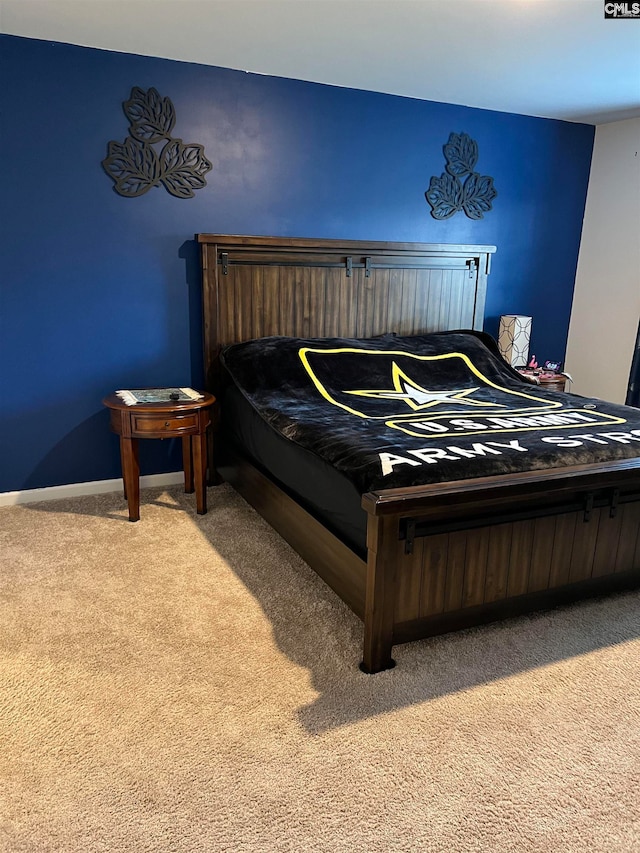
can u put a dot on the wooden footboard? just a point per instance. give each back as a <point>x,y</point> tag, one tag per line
<point>450,556</point>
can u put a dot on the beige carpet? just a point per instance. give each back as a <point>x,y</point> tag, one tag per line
<point>186,683</point>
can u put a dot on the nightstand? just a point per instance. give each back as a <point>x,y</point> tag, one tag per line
<point>187,419</point>
<point>545,378</point>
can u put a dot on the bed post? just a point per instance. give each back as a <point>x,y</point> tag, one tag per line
<point>380,596</point>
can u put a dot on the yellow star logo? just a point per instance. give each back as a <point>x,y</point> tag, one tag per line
<point>417,397</point>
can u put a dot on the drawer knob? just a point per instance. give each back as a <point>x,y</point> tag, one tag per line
<point>167,424</point>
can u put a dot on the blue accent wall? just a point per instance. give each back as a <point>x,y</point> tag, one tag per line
<point>100,292</point>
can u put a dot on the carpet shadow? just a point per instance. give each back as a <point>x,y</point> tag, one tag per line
<point>316,630</point>
<point>93,506</point>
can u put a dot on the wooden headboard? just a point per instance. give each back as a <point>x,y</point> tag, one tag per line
<point>259,286</point>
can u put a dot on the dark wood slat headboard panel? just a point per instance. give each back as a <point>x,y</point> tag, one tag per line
<point>259,286</point>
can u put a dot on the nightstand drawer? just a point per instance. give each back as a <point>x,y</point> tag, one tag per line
<point>144,424</point>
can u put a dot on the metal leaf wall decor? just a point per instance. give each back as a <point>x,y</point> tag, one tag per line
<point>449,194</point>
<point>135,165</point>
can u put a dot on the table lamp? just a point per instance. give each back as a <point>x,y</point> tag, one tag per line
<point>514,336</point>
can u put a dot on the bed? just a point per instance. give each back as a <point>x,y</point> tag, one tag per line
<point>411,557</point>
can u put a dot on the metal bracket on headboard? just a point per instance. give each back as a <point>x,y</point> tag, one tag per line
<point>224,257</point>
<point>349,266</point>
<point>472,267</point>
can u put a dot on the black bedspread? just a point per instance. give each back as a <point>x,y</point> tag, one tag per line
<point>396,411</point>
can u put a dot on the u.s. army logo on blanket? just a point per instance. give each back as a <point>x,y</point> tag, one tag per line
<point>434,395</point>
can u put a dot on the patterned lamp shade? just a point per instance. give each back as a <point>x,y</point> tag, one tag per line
<point>513,339</point>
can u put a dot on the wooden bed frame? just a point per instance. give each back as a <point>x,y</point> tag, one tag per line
<point>439,557</point>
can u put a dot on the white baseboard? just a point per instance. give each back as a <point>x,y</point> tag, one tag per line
<point>94,487</point>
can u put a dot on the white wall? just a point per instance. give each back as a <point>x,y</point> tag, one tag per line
<point>606,302</point>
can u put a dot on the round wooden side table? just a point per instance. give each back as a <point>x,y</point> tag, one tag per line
<point>187,419</point>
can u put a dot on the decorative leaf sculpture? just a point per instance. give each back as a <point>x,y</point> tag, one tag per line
<point>183,168</point>
<point>152,118</point>
<point>445,196</point>
<point>461,154</point>
<point>448,194</point>
<point>135,166</point>
<point>478,195</point>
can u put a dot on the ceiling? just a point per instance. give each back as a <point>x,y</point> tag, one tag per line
<point>549,58</point>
